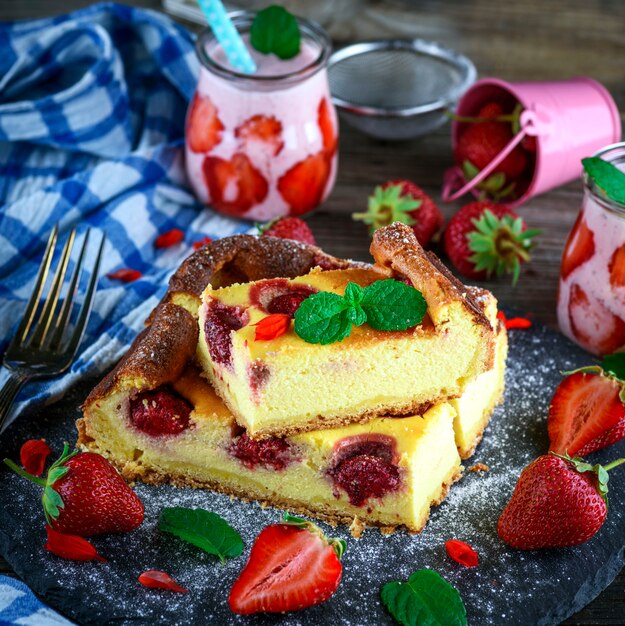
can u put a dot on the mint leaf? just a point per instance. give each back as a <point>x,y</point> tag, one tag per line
<point>615,364</point>
<point>425,599</point>
<point>607,177</point>
<point>323,318</point>
<point>353,297</point>
<point>203,529</point>
<point>393,305</point>
<point>275,30</point>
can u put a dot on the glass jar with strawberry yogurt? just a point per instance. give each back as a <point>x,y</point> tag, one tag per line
<point>262,145</point>
<point>591,297</point>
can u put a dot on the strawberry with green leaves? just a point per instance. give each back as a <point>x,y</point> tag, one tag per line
<point>402,201</point>
<point>558,501</point>
<point>485,239</point>
<point>587,411</point>
<point>291,566</point>
<point>84,495</point>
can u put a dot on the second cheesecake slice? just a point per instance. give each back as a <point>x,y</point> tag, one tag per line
<point>285,385</point>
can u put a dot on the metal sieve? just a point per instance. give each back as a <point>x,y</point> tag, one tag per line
<point>397,88</point>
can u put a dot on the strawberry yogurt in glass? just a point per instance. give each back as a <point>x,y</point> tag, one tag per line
<point>591,297</point>
<point>264,145</point>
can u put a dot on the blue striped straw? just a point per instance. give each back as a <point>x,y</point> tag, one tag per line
<point>227,35</point>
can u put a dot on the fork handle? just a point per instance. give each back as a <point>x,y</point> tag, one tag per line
<point>8,392</point>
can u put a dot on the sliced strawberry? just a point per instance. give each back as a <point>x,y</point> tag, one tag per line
<point>326,125</point>
<point>579,248</point>
<point>584,407</point>
<point>595,327</point>
<point>204,128</point>
<point>303,185</point>
<point>264,128</point>
<point>234,186</point>
<point>291,567</point>
<point>617,268</point>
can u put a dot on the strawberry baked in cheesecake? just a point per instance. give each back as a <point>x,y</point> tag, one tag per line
<point>160,421</point>
<point>288,384</point>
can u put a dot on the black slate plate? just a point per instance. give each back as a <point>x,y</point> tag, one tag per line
<point>508,587</point>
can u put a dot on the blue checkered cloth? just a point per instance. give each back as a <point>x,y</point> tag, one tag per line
<point>92,109</point>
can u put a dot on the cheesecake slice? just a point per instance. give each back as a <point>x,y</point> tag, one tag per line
<point>159,421</point>
<point>285,385</point>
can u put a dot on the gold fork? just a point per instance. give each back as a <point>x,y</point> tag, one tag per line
<point>51,346</point>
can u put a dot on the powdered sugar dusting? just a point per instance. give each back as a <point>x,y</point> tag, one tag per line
<point>508,586</point>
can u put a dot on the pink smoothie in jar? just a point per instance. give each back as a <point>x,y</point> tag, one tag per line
<point>264,145</point>
<point>591,297</point>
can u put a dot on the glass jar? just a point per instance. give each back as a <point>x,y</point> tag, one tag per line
<point>264,145</point>
<point>591,297</point>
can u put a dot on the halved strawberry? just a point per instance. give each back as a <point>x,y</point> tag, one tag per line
<point>234,186</point>
<point>594,327</point>
<point>292,566</point>
<point>326,125</point>
<point>583,409</point>
<point>262,128</point>
<point>303,185</point>
<point>617,268</point>
<point>579,247</point>
<point>204,128</point>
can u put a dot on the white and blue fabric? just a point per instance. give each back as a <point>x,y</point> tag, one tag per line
<point>92,112</point>
<point>19,606</point>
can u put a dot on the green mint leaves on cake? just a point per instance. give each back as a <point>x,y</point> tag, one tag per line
<point>385,305</point>
<point>203,529</point>
<point>275,30</point>
<point>606,177</point>
<point>426,598</point>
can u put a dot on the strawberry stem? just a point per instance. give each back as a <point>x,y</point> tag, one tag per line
<point>614,464</point>
<point>24,474</point>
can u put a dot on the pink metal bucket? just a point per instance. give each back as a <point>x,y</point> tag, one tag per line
<point>571,119</point>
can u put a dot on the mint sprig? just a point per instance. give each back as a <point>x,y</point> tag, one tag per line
<point>203,529</point>
<point>615,364</point>
<point>608,178</point>
<point>385,305</point>
<point>275,30</point>
<point>426,598</point>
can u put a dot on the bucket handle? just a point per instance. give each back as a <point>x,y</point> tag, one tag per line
<point>530,125</point>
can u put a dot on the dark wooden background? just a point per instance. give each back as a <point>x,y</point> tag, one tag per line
<point>526,40</point>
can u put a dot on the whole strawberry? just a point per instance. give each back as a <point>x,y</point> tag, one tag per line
<point>482,141</point>
<point>85,495</point>
<point>484,239</point>
<point>291,566</point>
<point>289,228</point>
<point>402,201</point>
<point>558,501</point>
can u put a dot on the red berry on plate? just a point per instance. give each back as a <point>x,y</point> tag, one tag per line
<point>156,579</point>
<point>263,128</point>
<point>302,186</point>
<point>85,495</point>
<point>234,186</point>
<point>557,502</point>
<point>291,566</point>
<point>586,413</point>
<point>289,228</point>
<point>204,128</point>
<point>33,456</point>
<point>579,248</point>
<point>403,201</point>
<point>484,239</point>
<point>71,547</point>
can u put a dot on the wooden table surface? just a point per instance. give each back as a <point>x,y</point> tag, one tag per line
<point>525,40</point>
